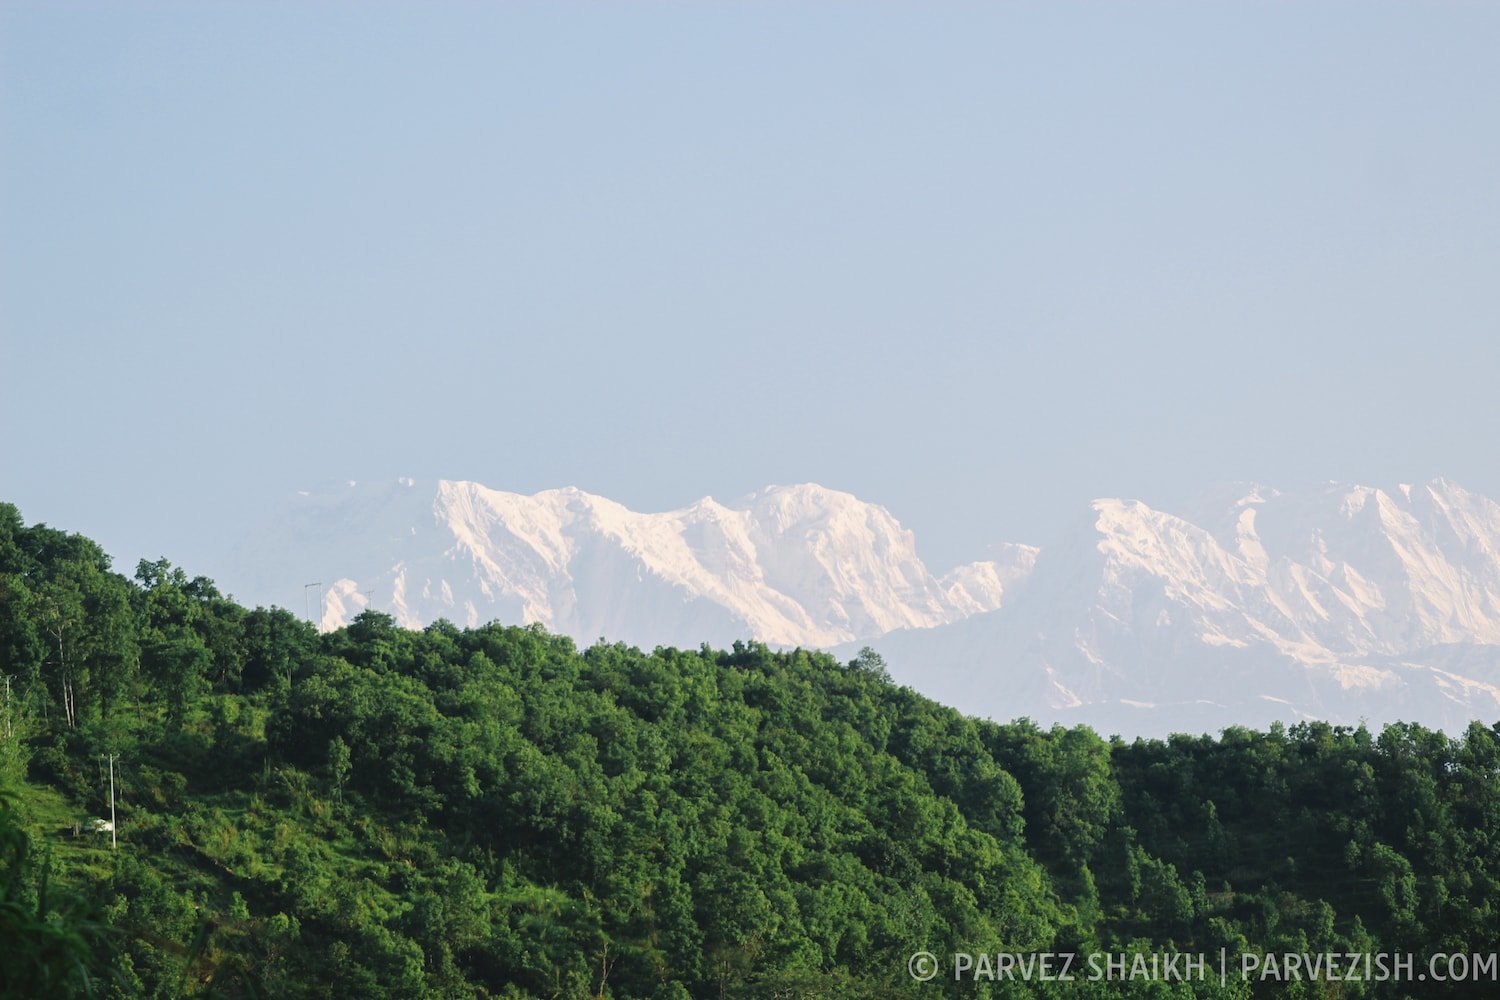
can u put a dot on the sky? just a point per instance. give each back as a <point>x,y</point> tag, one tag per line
<point>977,263</point>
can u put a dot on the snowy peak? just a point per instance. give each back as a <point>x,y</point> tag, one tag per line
<point>850,563</point>
<point>1348,569</point>
<point>984,585</point>
<point>1341,601</point>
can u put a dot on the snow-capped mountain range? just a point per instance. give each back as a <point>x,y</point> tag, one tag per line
<point>798,565</point>
<point>1340,602</point>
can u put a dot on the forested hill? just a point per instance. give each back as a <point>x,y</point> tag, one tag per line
<point>492,812</point>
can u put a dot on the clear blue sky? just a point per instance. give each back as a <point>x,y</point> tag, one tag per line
<point>978,263</point>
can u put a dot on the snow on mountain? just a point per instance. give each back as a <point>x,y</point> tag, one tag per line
<point>798,565</point>
<point>1343,602</point>
<point>981,586</point>
<point>1339,602</point>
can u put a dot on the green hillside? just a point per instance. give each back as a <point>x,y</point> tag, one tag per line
<point>493,812</point>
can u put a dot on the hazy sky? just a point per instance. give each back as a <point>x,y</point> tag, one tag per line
<point>976,263</point>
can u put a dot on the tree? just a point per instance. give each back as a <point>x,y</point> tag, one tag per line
<point>870,662</point>
<point>173,653</point>
<point>84,613</point>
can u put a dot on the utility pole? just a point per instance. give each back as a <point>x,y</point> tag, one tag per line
<point>114,842</point>
<point>306,609</point>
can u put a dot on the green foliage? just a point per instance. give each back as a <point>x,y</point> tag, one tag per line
<point>492,812</point>
<point>53,943</point>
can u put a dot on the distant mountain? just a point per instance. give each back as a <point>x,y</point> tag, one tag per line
<point>1340,602</point>
<point>799,565</point>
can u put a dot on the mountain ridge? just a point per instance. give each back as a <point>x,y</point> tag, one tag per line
<point>798,565</point>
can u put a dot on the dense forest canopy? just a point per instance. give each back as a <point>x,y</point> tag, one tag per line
<point>493,812</point>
